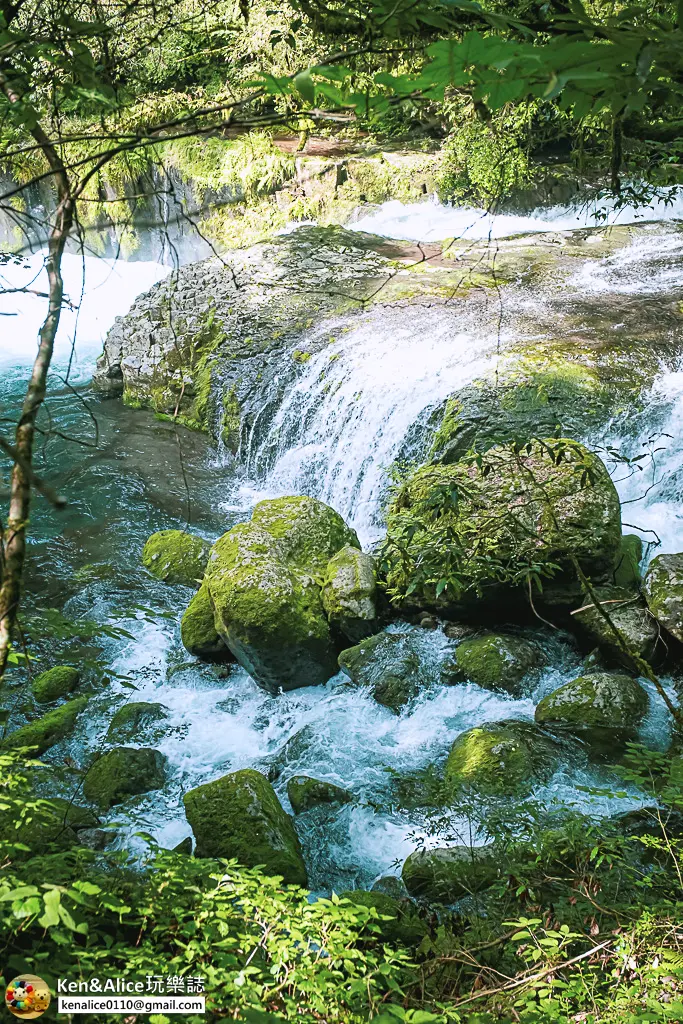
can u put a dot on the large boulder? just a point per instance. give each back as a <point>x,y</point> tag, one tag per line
<point>500,759</point>
<point>664,592</point>
<point>48,730</point>
<point>124,772</point>
<point>478,528</point>
<point>240,816</point>
<point>446,874</point>
<point>495,661</point>
<point>55,683</point>
<point>349,593</point>
<point>305,793</point>
<point>629,613</point>
<point>198,629</point>
<point>603,708</point>
<point>176,557</point>
<point>262,578</point>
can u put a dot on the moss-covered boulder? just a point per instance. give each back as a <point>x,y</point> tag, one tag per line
<point>603,708</point>
<point>627,572</point>
<point>57,823</point>
<point>55,683</point>
<point>495,661</point>
<point>663,587</point>
<point>485,527</point>
<point>349,593</point>
<point>176,557</point>
<point>48,730</point>
<point>446,874</point>
<point>305,792</point>
<point>240,816</point>
<point>629,613</point>
<point>263,580</point>
<point>124,772</point>
<point>198,629</point>
<point>403,925</point>
<point>389,665</point>
<point>136,721</point>
<point>500,759</point>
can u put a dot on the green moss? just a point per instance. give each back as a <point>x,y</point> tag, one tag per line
<point>301,357</point>
<point>389,665</point>
<point>55,683</point>
<point>627,569</point>
<point>349,592</point>
<point>198,629</point>
<point>404,924</point>
<point>124,772</point>
<point>133,721</point>
<point>176,557</point>
<point>595,705</point>
<point>308,531</point>
<point>501,759</point>
<point>447,874</point>
<point>495,662</point>
<point>240,816</point>
<point>48,730</point>
<point>305,792</point>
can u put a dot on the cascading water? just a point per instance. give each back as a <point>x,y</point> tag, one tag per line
<point>362,402</point>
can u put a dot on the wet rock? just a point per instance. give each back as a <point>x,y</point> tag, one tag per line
<point>58,824</point>
<point>48,730</point>
<point>542,505</point>
<point>390,885</point>
<point>240,816</point>
<point>124,772</point>
<point>136,721</point>
<point>295,748</point>
<point>603,708</point>
<point>627,572</point>
<point>55,683</point>
<point>404,925</point>
<point>663,587</point>
<point>305,792</point>
<point>630,615</point>
<point>176,557</point>
<point>198,629</point>
<point>496,661</point>
<point>349,593</point>
<point>447,874</point>
<point>500,759</point>
<point>387,663</point>
<point>262,580</point>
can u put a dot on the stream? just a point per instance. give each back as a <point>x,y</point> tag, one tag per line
<point>334,436</point>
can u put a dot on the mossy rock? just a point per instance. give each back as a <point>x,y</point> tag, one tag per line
<point>521,511</point>
<point>176,557</point>
<point>262,577</point>
<point>447,874</point>
<point>388,664</point>
<point>198,629</point>
<point>55,824</point>
<point>239,816</point>
<point>663,587</point>
<point>390,885</point>
<point>305,792</point>
<point>138,720</point>
<point>629,613</point>
<point>500,759</point>
<point>603,708</point>
<point>48,730</point>
<point>627,572</point>
<point>293,750</point>
<point>496,661</point>
<point>349,593</point>
<point>124,772</point>
<point>55,683</point>
<point>405,926</point>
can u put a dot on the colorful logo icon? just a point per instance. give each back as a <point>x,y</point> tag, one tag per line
<point>27,997</point>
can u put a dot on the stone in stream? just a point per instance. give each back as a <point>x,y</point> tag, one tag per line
<point>55,683</point>
<point>124,772</point>
<point>527,507</point>
<point>495,661</point>
<point>48,730</point>
<point>349,593</point>
<point>57,824</point>
<point>198,629</point>
<point>305,792</point>
<point>603,708</point>
<point>663,587</point>
<point>629,613</point>
<point>447,874</point>
<point>390,665</point>
<point>239,816</point>
<point>263,580</point>
<point>175,556</point>
<point>627,572</point>
<point>136,720</point>
<point>404,926</point>
<point>293,750</point>
<point>500,759</point>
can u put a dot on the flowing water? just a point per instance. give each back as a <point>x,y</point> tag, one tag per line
<point>335,435</point>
